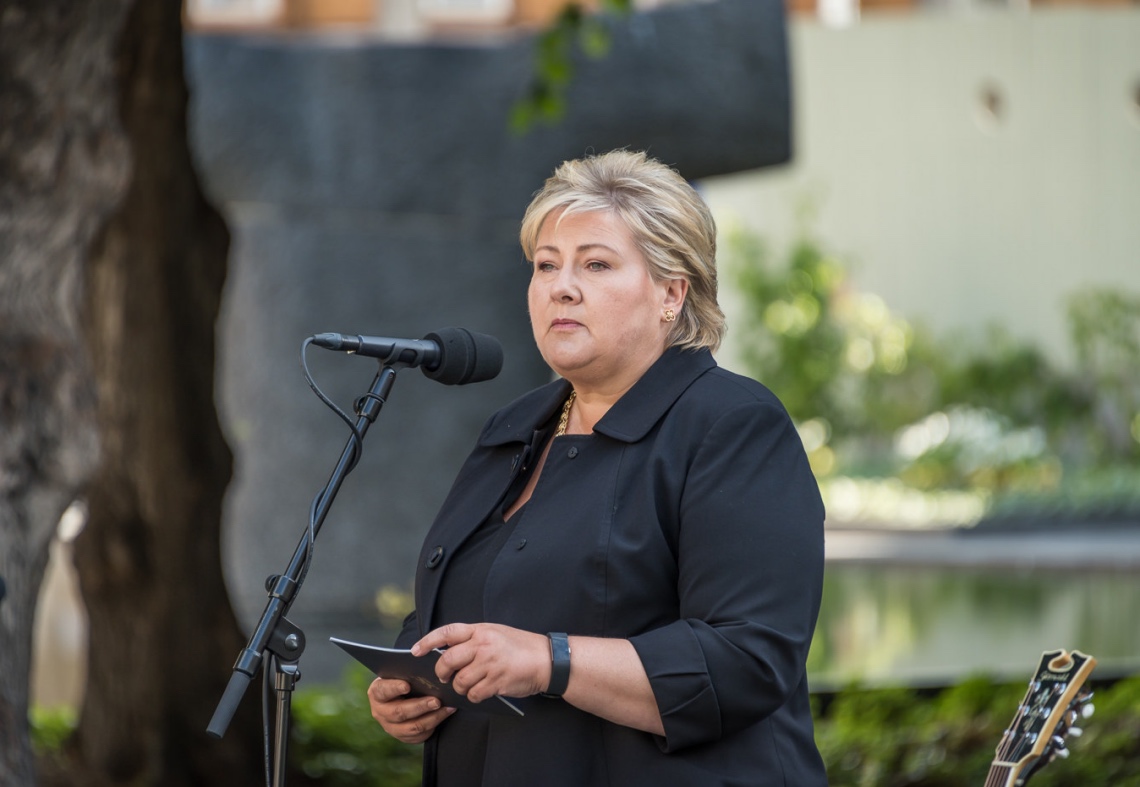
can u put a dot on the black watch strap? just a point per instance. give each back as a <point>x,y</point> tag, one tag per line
<point>559,665</point>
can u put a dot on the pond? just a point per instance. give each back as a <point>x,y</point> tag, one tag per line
<point>951,608</point>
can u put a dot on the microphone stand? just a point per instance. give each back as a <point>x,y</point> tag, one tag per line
<point>275,635</point>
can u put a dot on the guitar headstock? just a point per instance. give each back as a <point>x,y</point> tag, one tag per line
<point>1056,700</point>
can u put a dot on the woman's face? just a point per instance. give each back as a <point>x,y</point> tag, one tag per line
<point>596,313</point>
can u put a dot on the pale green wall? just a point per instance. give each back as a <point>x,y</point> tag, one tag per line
<point>949,217</point>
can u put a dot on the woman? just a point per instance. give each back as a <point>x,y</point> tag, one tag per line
<point>637,546</point>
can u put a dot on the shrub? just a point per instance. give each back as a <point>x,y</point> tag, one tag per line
<point>336,742</point>
<point>869,737</point>
<point>948,738</point>
<point>878,396</point>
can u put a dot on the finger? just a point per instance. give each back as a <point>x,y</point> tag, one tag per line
<point>452,660</point>
<point>420,729</point>
<point>478,692</point>
<point>402,711</point>
<point>443,637</point>
<point>467,678</point>
<point>385,690</point>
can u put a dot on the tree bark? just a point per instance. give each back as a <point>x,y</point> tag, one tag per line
<point>111,271</point>
<point>162,634</point>
<point>63,162</point>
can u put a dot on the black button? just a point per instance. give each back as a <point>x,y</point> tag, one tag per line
<point>573,452</point>
<point>520,544</point>
<point>435,558</point>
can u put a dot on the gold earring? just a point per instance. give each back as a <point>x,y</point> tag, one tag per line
<point>670,315</point>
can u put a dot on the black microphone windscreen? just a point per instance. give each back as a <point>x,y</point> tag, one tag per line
<point>465,357</point>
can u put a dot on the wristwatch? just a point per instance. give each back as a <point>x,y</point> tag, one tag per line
<point>559,665</point>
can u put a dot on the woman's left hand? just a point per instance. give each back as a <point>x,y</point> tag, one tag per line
<point>482,660</point>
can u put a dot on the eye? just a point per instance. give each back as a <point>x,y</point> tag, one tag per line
<point>596,265</point>
<point>544,266</point>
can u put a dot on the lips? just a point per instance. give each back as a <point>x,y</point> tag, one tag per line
<point>555,324</point>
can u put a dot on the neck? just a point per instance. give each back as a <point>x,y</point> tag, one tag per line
<point>607,386</point>
<point>586,411</point>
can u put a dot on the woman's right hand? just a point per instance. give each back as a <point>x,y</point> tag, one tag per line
<point>407,719</point>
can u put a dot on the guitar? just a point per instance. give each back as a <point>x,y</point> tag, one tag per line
<point>1056,700</point>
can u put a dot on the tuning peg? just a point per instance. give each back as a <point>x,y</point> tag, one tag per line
<point>1062,753</point>
<point>1088,710</point>
<point>1076,732</point>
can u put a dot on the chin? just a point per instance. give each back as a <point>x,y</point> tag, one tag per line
<point>567,368</point>
<point>562,357</point>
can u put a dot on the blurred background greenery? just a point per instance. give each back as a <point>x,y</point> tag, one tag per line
<point>896,737</point>
<point>884,404</point>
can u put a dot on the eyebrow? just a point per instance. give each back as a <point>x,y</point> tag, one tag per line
<point>583,248</point>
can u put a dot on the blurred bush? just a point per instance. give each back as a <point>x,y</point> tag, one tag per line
<point>50,728</point>
<point>893,737</point>
<point>877,396</point>
<point>948,738</point>
<point>338,744</point>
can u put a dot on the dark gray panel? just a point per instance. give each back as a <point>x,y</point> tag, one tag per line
<point>423,128</point>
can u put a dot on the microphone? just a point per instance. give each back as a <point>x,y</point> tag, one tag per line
<point>452,356</point>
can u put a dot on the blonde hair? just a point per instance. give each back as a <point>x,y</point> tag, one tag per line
<point>671,226</point>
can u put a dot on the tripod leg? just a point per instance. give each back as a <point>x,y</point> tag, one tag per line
<point>286,677</point>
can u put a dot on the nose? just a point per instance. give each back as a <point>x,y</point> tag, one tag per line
<point>565,287</point>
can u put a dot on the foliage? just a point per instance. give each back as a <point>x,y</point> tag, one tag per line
<point>894,737</point>
<point>336,742</point>
<point>877,395</point>
<point>1105,326</point>
<point>573,30</point>
<point>827,350</point>
<point>50,727</point>
<point>911,738</point>
<point>393,603</point>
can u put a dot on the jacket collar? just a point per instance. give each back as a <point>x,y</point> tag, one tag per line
<point>629,420</point>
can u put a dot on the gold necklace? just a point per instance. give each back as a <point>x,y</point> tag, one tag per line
<point>565,419</point>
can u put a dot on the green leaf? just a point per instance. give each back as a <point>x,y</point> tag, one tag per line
<point>594,39</point>
<point>553,61</point>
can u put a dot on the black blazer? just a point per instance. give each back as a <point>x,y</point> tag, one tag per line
<point>690,523</point>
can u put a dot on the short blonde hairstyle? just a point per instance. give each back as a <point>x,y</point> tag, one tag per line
<point>671,225</point>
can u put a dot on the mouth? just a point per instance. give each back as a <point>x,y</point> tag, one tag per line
<point>564,324</point>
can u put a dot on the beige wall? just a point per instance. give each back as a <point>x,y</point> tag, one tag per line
<point>949,214</point>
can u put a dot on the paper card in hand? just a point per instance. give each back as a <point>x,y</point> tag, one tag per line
<point>419,672</point>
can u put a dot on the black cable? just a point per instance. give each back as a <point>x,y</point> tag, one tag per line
<point>357,453</point>
<point>358,438</point>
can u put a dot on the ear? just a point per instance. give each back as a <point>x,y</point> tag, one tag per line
<point>675,292</point>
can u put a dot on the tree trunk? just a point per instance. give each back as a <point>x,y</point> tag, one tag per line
<point>62,169</point>
<point>92,109</point>
<point>163,635</point>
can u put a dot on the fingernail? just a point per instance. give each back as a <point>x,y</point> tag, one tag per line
<point>415,650</point>
<point>433,704</point>
<point>451,710</point>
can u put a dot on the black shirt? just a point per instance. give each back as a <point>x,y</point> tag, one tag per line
<point>461,741</point>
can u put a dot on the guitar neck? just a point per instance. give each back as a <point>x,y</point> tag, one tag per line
<point>1001,776</point>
